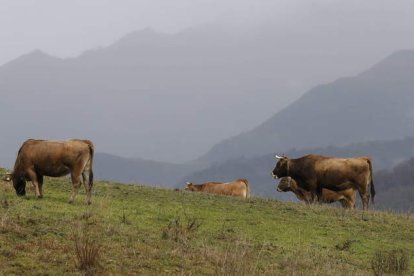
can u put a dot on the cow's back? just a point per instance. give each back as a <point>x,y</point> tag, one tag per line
<point>331,172</point>
<point>235,188</point>
<point>53,158</point>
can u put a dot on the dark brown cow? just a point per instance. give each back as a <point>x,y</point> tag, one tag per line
<point>315,172</point>
<point>38,158</point>
<point>345,197</point>
<point>239,188</point>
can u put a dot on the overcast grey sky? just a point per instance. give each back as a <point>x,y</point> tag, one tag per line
<point>67,28</point>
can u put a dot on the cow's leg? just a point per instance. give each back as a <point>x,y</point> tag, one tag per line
<point>40,179</point>
<point>34,179</point>
<point>76,182</point>
<point>319,193</point>
<point>88,187</point>
<point>363,193</point>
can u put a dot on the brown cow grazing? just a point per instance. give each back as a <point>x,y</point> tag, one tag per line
<point>38,158</point>
<point>239,188</point>
<point>345,197</point>
<point>315,172</point>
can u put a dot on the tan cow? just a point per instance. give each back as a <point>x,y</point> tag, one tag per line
<point>38,158</point>
<point>346,197</point>
<point>239,188</point>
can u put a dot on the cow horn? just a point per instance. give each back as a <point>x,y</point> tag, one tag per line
<point>278,157</point>
<point>188,183</point>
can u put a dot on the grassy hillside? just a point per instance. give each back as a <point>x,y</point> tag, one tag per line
<point>143,230</point>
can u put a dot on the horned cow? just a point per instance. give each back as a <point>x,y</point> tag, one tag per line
<point>315,172</point>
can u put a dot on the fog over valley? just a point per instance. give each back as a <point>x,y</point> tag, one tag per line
<point>167,83</point>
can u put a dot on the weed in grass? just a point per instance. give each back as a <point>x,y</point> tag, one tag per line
<point>124,219</point>
<point>180,231</point>
<point>395,261</point>
<point>4,203</point>
<point>345,246</point>
<point>225,232</point>
<point>7,253</point>
<point>87,249</point>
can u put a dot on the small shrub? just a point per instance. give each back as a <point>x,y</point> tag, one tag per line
<point>124,219</point>
<point>179,231</point>
<point>395,261</point>
<point>345,246</point>
<point>87,250</point>
<point>4,203</point>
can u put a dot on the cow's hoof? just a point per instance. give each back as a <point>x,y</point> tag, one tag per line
<point>70,201</point>
<point>40,196</point>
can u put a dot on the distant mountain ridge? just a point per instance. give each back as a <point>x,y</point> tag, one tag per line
<point>148,88</point>
<point>397,187</point>
<point>138,171</point>
<point>377,104</point>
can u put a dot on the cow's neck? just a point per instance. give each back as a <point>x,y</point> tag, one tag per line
<point>288,167</point>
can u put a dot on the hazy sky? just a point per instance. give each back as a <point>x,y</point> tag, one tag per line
<point>307,42</point>
<point>67,28</point>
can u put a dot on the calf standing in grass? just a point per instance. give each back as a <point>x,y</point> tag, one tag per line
<point>345,197</point>
<point>38,158</point>
<point>239,188</point>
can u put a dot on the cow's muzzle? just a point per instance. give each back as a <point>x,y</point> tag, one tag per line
<point>274,176</point>
<point>20,193</point>
<point>279,190</point>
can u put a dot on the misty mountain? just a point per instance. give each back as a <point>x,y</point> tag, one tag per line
<point>384,154</point>
<point>128,170</point>
<point>397,187</point>
<point>149,95</point>
<point>170,97</point>
<point>377,104</point>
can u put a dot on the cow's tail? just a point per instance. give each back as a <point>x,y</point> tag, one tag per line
<point>371,184</point>
<point>247,187</point>
<point>91,152</point>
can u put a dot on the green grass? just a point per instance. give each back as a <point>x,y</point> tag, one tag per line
<point>131,226</point>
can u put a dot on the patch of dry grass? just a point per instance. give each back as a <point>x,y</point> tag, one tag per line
<point>394,261</point>
<point>87,248</point>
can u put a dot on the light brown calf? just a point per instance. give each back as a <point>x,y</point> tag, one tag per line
<point>239,188</point>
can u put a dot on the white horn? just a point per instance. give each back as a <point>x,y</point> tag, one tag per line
<point>278,157</point>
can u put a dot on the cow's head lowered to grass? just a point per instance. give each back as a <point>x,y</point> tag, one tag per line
<point>19,183</point>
